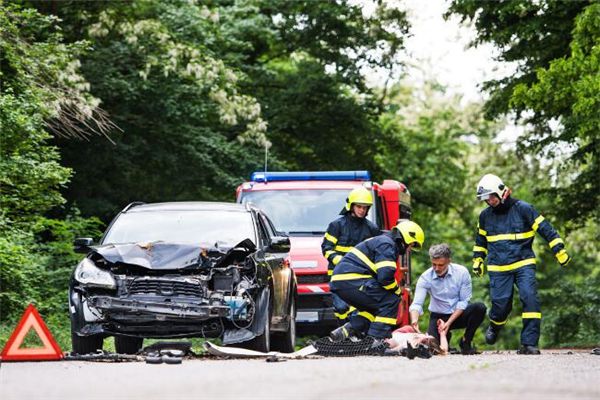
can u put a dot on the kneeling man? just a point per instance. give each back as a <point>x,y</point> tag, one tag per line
<point>449,286</point>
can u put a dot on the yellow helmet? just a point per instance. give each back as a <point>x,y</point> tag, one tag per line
<point>411,233</point>
<point>360,195</point>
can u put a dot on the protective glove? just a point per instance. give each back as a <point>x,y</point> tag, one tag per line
<point>563,258</point>
<point>478,267</point>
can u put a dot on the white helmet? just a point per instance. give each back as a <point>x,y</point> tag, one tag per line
<point>489,185</point>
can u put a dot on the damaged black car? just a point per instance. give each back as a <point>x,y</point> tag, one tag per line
<point>184,269</point>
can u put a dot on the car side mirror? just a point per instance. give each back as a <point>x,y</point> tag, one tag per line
<point>82,245</point>
<point>280,244</point>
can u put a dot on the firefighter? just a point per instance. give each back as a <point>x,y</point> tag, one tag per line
<point>505,235</point>
<point>346,232</point>
<point>365,279</point>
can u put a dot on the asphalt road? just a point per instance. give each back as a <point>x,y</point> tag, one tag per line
<point>553,375</point>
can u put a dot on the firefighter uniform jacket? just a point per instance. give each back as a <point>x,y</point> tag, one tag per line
<point>343,234</point>
<point>505,235</point>
<point>372,259</point>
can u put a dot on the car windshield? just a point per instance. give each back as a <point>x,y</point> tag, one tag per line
<point>300,211</point>
<point>210,227</point>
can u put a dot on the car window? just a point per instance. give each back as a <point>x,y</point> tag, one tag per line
<point>263,233</point>
<point>300,211</point>
<point>268,226</point>
<point>209,227</point>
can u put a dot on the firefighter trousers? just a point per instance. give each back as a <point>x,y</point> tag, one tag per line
<point>377,308</point>
<point>341,309</point>
<point>501,294</point>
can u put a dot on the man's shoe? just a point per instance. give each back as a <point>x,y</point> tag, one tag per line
<point>491,334</point>
<point>343,332</point>
<point>529,350</point>
<point>466,348</point>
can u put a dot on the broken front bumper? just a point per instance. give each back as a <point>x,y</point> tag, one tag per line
<point>119,309</point>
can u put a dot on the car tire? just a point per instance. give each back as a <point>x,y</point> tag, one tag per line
<point>128,345</point>
<point>86,344</point>
<point>285,342</point>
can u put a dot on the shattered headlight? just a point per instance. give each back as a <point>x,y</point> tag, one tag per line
<point>88,274</point>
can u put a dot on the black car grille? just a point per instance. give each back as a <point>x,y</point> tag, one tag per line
<point>314,301</point>
<point>164,287</point>
<point>320,278</point>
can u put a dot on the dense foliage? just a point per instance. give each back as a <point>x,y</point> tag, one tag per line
<point>191,94</point>
<point>555,89</point>
<point>40,83</point>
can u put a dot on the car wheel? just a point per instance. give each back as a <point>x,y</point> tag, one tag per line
<point>285,342</point>
<point>86,344</point>
<point>128,345</point>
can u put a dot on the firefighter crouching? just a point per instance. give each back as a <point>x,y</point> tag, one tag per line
<point>505,235</point>
<point>365,279</point>
<point>346,232</point>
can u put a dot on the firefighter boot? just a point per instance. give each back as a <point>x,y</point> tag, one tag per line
<point>343,332</point>
<point>530,350</point>
<point>491,334</point>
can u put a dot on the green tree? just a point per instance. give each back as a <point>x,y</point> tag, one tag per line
<point>555,88</point>
<point>41,91</point>
<point>189,84</point>
<point>189,131</point>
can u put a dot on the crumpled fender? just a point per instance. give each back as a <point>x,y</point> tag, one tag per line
<point>257,327</point>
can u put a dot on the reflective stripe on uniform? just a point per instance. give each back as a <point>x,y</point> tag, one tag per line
<point>349,277</point>
<point>390,286</point>
<point>510,267</point>
<point>510,236</point>
<point>498,323</point>
<point>537,222</point>
<point>367,315</point>
<point>531,315</point>
<point>479,248</point>
<point>555,242</point>
<point>336,259</point>
<point>341,316</point>
<point>329,272</point>
<point>331,238</point>
<point>343,249</point>
<point>382,264</point>
<point>344,316</point>
<point>363,258</point>
<point>329,253</point>
<point>482,232</point>
<point>386,320</point>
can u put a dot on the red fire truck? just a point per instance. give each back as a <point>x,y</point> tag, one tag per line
<point>302,204</point>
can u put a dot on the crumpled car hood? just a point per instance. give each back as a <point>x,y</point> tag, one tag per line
<point>172,256</point>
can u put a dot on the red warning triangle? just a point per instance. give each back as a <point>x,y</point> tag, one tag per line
<point>31,319</point>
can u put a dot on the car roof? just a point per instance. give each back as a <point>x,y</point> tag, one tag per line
<point>187,206</point>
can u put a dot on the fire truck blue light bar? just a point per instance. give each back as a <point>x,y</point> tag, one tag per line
<point>261,176</point>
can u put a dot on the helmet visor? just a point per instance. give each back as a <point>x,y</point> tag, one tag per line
<point>483,194</point>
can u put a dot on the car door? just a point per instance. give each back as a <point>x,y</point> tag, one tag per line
<point>281,273</point>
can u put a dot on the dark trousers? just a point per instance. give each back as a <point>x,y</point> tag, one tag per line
<point>469,320</point>
<point>377,308</point>
<point>501,293</point>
